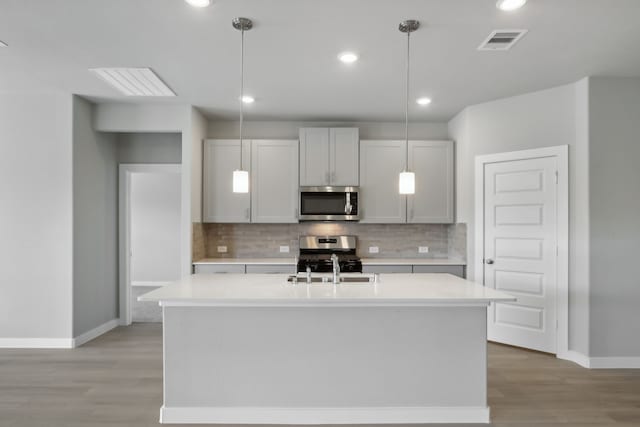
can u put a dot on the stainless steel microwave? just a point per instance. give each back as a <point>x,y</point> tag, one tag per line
<point>329,204</point>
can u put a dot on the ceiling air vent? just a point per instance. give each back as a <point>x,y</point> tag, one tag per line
<point>502,39</point>
<point>134,81</point>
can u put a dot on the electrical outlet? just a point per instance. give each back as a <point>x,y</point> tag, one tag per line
<point>284,249</point>
<point>222,249</point>
<point>423,249</point>
<point>374,249</point>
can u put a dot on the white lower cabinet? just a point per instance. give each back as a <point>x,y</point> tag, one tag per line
<point>219,268</point>
<point>386,269</point>
<point>270,269</point>
<point>456,270</point>
<point>274,181</point>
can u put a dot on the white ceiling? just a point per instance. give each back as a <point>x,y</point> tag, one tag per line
<point>291,54</point>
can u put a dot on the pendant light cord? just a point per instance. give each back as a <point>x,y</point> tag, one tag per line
<point>406,111</point>
<point>241,90</point>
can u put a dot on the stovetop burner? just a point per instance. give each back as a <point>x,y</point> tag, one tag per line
<point>316,251</point>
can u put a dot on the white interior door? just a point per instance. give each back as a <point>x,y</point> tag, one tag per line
<point>520,250</point>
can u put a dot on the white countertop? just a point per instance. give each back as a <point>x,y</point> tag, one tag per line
<point>273,290</point>
<point>256,261</point>
<point>365,261</point>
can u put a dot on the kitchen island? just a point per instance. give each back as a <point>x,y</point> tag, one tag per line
<point>256,349</point>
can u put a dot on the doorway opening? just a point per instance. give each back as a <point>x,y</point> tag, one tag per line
<point>150,212</point>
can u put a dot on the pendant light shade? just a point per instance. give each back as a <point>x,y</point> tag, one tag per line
<point>241,177</point>
<point>240,181</point>
<point>407,180</point>
<point>407,183</point>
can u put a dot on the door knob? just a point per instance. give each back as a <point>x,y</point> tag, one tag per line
<point>489,261</point>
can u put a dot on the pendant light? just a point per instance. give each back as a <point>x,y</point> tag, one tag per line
<point>240,176</point>
<point>407,181</point>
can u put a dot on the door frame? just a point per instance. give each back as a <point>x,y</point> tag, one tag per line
<point>561,153</point>
<point>125,170</point>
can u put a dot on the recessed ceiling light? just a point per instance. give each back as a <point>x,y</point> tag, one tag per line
<point>199,3</point>
<point>248,99</point>
<point>510,4</point>
<point>423,101</point>
<point>3,44</point>
<point>348,57</point>
<point>134,81</point>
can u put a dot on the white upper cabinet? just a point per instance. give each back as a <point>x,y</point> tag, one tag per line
<point>380,165</point>
<point>329,156</point>
<point>274,181</point>
<point>314,156</point>
<point>220,203</point>
<point>432,162</point>
<point>344,156</point>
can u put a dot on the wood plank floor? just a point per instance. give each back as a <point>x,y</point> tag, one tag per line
<point>116,380</point>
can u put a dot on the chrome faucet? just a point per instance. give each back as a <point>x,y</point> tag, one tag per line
<point>336,269</point>
<point>308,274</point>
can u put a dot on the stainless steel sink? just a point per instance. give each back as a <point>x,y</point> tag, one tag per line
<point>328,279</point>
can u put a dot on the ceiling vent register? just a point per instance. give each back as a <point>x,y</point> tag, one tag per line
<point>502,39</point>
<point>134,81</point>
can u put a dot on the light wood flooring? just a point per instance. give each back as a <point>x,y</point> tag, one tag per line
<point>116,380</point>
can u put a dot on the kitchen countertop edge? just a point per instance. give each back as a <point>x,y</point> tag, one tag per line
<point>365,261</point>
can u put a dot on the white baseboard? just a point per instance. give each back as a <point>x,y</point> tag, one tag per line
<point>95,332</point>
<point>601,362</point>
<point>36,343</point>
<point>372,415</point>
<point>614,362</point>
<point>575,357</point>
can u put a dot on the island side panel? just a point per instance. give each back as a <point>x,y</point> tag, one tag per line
<point>339,357</point>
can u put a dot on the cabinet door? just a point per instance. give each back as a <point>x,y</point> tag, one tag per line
<point>456,270</point>
<point>432,162</point>
<point>220,203</point>
<point>314,156</point>
<point>380,165</point>
<point>271,269</point>
<point>344,156</point>
<point>219,268</point>
<point>274,181</point>
<point>386,269</point>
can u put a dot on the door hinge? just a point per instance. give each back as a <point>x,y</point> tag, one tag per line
<point>556,177</point>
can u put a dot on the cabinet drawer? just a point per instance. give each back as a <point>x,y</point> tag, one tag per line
<point>385,269</point>
<point>219,268</point>
<point>456,270</point>
<point>270,269</point>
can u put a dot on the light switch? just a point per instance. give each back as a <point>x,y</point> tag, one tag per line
<point>222,249</point>
<point>423,249</point>
<point>374,249</point>
<point>284,249</point>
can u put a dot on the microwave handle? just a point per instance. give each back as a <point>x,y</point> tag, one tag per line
<point>348,208</point>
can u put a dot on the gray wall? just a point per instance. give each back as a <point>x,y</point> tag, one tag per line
<point>289,129</point>
<point>35,216</point>
<point>149,147</point>
<point>614,107</point>
<point>541,119</point>
<point>95,232</point>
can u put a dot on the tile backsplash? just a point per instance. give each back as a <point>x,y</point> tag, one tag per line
<point>393,240</point>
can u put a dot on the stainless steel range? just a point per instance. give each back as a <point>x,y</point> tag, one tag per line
<point>319,252</point>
